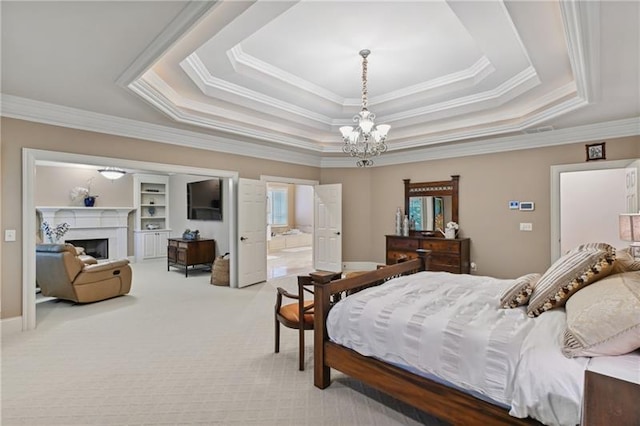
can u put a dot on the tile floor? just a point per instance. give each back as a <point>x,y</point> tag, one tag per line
<point>292,261</point>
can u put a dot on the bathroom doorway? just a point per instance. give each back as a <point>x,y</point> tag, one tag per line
<point>289,219</point>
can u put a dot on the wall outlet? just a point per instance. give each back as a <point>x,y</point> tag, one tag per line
<point>9,234</point>
<point>514,205</point>
<point>474,266</point>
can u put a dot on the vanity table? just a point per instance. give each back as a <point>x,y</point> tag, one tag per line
<point>431,205</point>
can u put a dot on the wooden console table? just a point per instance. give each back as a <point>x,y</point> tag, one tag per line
<point>185,253</point>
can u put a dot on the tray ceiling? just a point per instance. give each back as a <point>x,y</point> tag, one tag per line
<point>251,77</point>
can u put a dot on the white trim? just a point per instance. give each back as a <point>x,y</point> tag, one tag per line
<point>11,325</point>
<point>282,179</point>
<point>58,115</point>
<point>591,132</point>
<point>581,23</point>
<point>31,156</point>
<point>42,112</point>
<point>187,18</point>
<point>555,194</point>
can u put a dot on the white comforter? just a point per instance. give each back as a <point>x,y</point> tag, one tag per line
<point>450,326</point>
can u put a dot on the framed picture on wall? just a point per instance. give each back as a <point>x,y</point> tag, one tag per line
<point>596,151</point>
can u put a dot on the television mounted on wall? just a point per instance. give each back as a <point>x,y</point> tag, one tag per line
<point>204,200</point>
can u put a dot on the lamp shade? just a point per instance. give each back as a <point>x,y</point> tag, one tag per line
<point>629,226</point>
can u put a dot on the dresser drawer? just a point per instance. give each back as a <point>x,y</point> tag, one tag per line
<point>403,244</point>
<point>446,246</point>
<point>394,255</point>
<point>444,262</point>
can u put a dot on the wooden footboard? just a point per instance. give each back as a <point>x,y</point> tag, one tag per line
<point>437,399</point>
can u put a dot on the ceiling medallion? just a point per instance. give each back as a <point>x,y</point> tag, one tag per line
<point>366,140</point>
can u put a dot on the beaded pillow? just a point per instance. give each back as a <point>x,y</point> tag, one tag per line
<point>573,271</point>
<point>519,292</point>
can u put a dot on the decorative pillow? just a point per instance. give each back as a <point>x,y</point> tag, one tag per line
<point>570,273</point>
<point>591,246</point>
<point>604,318</point>
<point>519,292</point>
<point>625,262</point>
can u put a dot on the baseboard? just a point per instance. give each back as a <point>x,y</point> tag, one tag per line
<point>359,266</point>
<point>11,325</point>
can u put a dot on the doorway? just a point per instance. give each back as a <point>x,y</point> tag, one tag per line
<point>290,227</point>
<point>564,172</point>
<point>33,156</point>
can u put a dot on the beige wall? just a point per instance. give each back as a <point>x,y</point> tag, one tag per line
<point>487,183</point>
<point>370,196</point>
<point>54,184</point>
<point>18,134</point>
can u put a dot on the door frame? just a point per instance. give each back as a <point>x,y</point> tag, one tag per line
<point>555,193</point>
<point>29,159</point>
<point>293,181</point>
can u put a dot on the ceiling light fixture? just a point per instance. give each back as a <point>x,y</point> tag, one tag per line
<point>366,140</point>
<point>112,173</point>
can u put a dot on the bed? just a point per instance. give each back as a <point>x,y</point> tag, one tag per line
<point>500,384</point>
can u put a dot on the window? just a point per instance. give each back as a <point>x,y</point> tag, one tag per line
<point>278,206</point>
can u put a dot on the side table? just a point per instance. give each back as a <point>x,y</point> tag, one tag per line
<point>185,253</point>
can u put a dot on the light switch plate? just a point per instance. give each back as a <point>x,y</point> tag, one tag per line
<point>526,226</point>
<point>9,234</point>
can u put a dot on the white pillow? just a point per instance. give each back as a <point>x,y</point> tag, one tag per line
<point>604,318</point>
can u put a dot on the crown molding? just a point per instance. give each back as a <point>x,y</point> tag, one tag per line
<point>241,60</point>
<point>186,19</point>
<point>581,21</point>
<point>168,102</point>
<point>599,131</point>
<point>58,115</point>
<point>200,75</point>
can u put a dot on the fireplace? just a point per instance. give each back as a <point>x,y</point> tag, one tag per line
<point>93,224</point>
<point>96,247</point>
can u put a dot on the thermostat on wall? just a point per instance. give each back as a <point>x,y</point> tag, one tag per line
<point>527,206</point>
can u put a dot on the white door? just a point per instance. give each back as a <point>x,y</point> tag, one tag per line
<point>327,234</point>
<point>252,232</point>
<point>631,183</point>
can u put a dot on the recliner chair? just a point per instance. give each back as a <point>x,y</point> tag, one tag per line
<point>61,273</point>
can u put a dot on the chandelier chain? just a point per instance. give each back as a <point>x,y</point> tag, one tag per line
<point>364,83</point>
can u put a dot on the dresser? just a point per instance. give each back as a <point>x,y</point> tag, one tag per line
<point>449,255</point>
<point>184,253</point>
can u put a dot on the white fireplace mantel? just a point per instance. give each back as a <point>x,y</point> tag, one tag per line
<point>92,223</point>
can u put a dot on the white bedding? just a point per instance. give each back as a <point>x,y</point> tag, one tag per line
<point>450,326</point>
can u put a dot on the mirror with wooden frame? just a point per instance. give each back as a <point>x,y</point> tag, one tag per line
<point>431,205</point>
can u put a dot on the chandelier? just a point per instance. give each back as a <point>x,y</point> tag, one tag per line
<point>366,140</point>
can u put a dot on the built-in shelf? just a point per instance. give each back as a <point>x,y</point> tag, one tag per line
<point>151,193</point>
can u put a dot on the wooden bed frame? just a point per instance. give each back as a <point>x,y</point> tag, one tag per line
<point>446,403</point>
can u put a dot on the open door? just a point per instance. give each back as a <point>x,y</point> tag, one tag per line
<point>327,236</point>
<point>252,232</point>
<point>631,184</point>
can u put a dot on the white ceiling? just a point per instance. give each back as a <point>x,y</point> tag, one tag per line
<point>277,78</point>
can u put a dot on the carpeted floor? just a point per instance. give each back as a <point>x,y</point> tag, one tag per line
<point>176,351</point>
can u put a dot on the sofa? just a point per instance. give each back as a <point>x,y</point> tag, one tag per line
<point>62,273</point>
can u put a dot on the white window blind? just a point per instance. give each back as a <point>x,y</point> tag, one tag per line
<point>279,211</point>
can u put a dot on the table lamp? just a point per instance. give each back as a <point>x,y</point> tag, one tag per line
<point>629,225</point>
